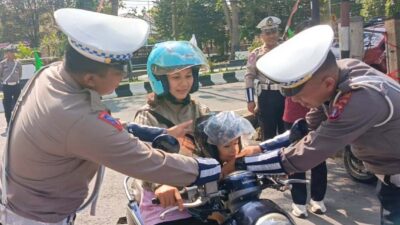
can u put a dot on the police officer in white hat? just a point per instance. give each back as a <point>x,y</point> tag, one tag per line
<point>10,75</point>
<point>351,103</point>
<point>60,132</point>
<point>270,112</point>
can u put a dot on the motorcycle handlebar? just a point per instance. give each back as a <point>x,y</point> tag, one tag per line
<point>183,193</point>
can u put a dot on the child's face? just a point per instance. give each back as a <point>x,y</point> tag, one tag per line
<point>229,151</point>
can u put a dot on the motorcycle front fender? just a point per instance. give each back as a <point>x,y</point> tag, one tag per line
<point>249,213</point>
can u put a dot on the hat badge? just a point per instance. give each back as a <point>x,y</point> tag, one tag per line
<point>107,60</point>
<point>270,21</point>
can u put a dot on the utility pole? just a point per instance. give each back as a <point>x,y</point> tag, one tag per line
<point>315,17</point>
<point>392,26</point>
<point>344,30</point>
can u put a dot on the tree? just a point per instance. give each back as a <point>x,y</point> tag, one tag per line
<point>231,11</point>
<point>200,17</point>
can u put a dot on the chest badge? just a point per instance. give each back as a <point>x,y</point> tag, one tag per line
<point>107,118</point>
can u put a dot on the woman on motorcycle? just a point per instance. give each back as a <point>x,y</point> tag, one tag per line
<point>173,70</point>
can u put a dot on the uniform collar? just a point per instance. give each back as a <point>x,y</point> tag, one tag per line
<point>95,98</point>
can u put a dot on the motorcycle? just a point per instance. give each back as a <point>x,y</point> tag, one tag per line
<point>355,167</point>
<point>236,198</point>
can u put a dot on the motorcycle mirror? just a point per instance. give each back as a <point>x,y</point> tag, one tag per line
<point>166,143</point>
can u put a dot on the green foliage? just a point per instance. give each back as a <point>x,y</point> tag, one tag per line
<point>199,17</point>
<point>372,8</point>
<point>392,8</point>
<point>255,44</point>
<point>53,44</point>
<point>252,12</point>
<point>23,51</point>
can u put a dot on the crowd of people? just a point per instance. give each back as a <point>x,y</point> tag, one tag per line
<point>59,132</point>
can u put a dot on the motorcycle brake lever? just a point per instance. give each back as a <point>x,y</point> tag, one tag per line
<point>197,203</point>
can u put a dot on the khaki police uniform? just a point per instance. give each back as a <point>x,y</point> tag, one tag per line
<point>364,112</point>
<point>271,103</point>
<point>57,145</point>
<point>355,122</point>
<point>10,75</point>
<point>60,133</point>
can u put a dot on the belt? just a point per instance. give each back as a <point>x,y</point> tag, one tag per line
<point>10,218</point>
<point>270,87</point>
<point>10,83</point>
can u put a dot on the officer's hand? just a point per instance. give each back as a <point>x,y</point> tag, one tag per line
<point>251,106</point>
<point>180,130</point>
<point>169,196</point>
<point>249,150</point>
<point>228,168</point>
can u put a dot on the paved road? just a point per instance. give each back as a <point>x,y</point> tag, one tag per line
<point>348,203</point>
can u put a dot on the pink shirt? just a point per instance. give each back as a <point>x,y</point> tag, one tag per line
<point>293,111</point>
<point>151,213</point>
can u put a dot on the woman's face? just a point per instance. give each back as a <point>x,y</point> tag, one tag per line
<point>180,83</point>
<point>229,151</point>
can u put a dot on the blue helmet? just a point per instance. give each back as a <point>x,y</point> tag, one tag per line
<point>173,56</point>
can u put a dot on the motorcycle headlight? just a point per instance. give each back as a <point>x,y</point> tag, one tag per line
<point>273,219</point>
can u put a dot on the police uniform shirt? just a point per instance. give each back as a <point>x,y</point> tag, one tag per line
<point>252,72</point>
<point>6,67</point>
<point>59,138</point>
<point>351,123</point>
<point>176,113</point>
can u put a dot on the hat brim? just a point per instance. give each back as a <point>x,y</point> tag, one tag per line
<point>289,92</point>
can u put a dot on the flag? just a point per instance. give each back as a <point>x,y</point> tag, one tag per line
<point>38,60</point>
<point>290,33</point>
<point>289,22</point>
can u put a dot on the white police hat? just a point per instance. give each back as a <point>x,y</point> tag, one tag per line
<point>293,62</point>
<point>270,22</point>
<point>101,37</point>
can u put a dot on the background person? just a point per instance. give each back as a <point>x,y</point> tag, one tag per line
<point>10,75</point>
<point>270,101</point>
<point>293,112</point>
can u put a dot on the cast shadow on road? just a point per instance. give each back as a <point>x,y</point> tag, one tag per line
<point>347,202</point>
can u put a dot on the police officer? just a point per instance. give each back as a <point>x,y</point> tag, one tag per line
<point>10,75</point>
<point>60,132</point>
<point>270,112</point>
<point>351,103</point>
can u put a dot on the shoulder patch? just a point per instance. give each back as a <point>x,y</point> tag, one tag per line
<point>339,106</point>
<point>252,58</point>
<point>107,118</point>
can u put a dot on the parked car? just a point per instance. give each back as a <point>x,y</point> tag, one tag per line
<point>374,47</point>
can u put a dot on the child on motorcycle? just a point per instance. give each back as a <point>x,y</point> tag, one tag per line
<point>222,136</point>
<point>173,70</point>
